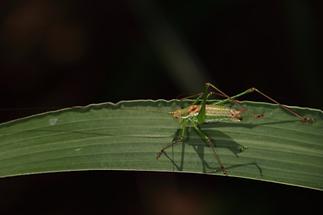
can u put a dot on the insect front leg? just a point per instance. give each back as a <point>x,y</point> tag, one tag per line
<point>179,138</point>
<point>207,140</point>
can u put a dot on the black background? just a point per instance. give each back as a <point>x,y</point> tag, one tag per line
<point>58,54</point>
<point>115,192</point>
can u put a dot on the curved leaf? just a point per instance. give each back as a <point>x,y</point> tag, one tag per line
<point>127,136</point>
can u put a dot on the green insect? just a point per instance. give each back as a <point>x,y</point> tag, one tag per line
<point>200,112</point>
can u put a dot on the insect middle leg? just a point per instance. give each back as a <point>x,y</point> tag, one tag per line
<point>179,138</point>
<point>207,140</point>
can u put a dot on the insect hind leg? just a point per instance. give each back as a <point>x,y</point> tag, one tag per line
<point>302,118</point>
<point>221,93</point>
<point>252,90</point>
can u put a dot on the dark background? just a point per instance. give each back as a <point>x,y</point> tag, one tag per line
<point>57,54</point>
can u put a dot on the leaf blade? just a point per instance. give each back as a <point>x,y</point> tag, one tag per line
<point>127,136</point>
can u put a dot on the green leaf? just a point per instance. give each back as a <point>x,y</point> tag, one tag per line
<point>126,136</point>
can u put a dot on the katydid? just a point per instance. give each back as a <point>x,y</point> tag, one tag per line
<point>200,112</point>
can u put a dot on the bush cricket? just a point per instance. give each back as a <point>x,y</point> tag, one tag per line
<point>200,112</point>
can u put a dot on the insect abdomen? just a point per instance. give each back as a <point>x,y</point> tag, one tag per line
<point>220,113</point>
